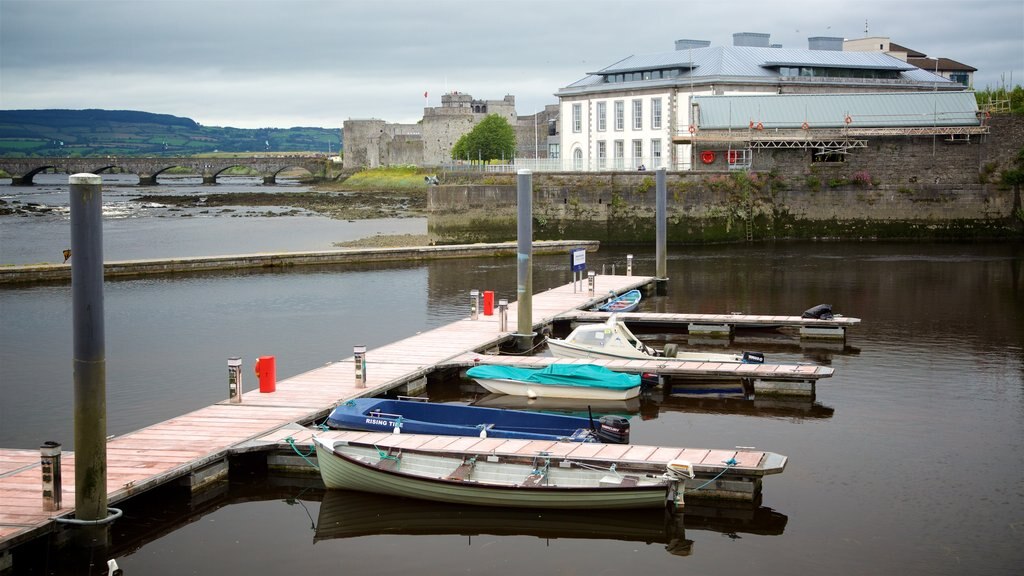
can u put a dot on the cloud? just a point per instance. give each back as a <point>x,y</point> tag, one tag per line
<point>304,62</point>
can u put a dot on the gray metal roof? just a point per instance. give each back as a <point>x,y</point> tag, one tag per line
<point>750,64</point>
<point>830,110</point>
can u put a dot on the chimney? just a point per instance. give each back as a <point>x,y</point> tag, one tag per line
<point>753,39</point>
<point>825,43</point>
<point>686,44</point>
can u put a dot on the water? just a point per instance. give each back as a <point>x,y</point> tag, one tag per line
<point>909,460</point>
<point>134,230</point>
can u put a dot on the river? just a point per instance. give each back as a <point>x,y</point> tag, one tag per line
<point>909,461</point>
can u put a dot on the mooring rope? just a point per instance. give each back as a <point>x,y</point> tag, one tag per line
<point>312,449</point>
<point>728,464</point>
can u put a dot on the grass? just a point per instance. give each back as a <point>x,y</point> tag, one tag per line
<point>390,178</point>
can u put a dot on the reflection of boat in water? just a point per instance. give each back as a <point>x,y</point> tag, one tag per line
<point>348,514</point>
<point>565,405</point>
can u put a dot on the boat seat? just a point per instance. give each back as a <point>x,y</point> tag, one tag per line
<point>462,472</point>
<point>629,481</point>
<point>388,462</point>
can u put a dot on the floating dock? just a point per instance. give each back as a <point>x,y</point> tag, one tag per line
<point>724,325</point>
<point>194,449</point>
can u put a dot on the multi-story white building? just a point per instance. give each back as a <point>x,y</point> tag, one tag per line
<point>625,116</point>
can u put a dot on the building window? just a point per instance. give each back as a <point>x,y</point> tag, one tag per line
<point>620,153</point>
<point>620,115</point>
<point>602,121</point>
<point>656,113</point>
<point>638,153</point>
<point>577,118</point>
<point>638,114</point>
<point>553,151</point>
<point>602,154</point>
<point>961,77</point>
<point>656,153</point>
<point>577,159</point>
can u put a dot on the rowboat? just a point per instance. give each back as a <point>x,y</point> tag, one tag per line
<point>612,339</point>
<point>625,302</point>
<point>541,480</point>
<point>417,417</point>
<point>582,381</point>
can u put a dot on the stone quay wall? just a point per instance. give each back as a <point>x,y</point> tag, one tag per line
<point>898,187</point>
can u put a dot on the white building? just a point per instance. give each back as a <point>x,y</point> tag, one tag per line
<point>625,116</point>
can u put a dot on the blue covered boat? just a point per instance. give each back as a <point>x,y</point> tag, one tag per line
<point>415,417</point>
<point>582,381</point>
<point>625,302</point>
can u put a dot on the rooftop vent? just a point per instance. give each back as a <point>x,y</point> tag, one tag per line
<point>825,43</point>
<point>686,44</point>
<point>755,39</point>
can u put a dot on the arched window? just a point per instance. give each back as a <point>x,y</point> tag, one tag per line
<point>577,159</point>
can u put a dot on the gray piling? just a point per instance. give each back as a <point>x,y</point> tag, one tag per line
<point>90,365</point>
<point>660,233</point>
<point>524,278</point>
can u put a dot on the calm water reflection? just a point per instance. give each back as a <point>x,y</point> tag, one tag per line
<point>908,461</point>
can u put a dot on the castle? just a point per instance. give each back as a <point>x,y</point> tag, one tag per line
<point>373,143</point>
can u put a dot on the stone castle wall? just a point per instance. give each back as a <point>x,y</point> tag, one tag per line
<point>898,187</point>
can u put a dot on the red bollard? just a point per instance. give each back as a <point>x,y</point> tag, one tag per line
<point>266,371</point>
<point>488,302</point>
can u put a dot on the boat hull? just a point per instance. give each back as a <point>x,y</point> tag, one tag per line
<point>532,390</point>
<point>344,466</point>
<point>413,417</point>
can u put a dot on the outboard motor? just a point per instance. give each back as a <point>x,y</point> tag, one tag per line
<point>821,312</point>
<point>613,429</point>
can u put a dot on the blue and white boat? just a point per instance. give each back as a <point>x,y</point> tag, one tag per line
<point>415,417</point>
<point>625,302</point>
<point>582,381</point>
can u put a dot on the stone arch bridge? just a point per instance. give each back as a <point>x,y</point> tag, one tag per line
<point>22,170</point>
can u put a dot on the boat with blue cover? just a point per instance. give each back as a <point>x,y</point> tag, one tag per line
<point>558,380</point>
<point>417,417</point>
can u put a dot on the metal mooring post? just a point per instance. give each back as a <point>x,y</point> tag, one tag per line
<point>524,272</point>
<point>474,304</point>
<point>629,264</point>
<point>502,315</point>
<point>49,454</point>
<point>660,234</point>
<point>235,380</point>
<point>90,366</point>
<point>590,282</point>
<point>359,352</point>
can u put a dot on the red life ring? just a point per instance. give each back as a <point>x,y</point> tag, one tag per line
<point>848,120</point>
<point>693,129</point>
<point>760,126</point>
<point>805,126</point>
<point>707,156</point>
<point>988,114</point>
<point>733,155</point>
<point>751,124</point>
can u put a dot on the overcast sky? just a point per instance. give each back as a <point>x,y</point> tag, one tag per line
<point>284,63</point>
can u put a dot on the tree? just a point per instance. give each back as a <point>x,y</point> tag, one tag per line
<point>492,139</point>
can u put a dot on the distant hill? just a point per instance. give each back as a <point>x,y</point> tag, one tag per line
<point>132,133</point>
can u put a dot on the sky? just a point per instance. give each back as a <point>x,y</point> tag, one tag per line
<point>286,63</point>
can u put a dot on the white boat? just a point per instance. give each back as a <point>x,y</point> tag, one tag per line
<point>488,479</point>
<point>580,381</point>
<point>612,339</point>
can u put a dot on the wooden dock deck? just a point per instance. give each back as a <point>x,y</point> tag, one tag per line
<point>193,448</point>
